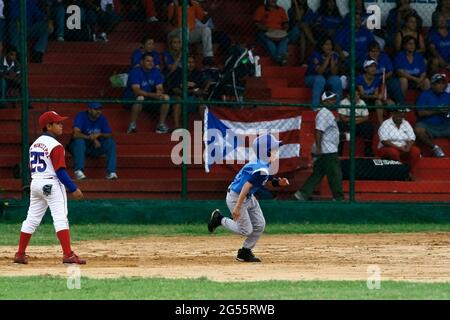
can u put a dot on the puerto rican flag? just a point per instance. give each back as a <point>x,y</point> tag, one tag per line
<point>229,133</point>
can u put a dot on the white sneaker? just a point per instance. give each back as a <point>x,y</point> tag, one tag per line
<point>131,128</point>
<point>103,37</point>
<point>299,196</point>
<point>60,39</point>
<point>79,175</point>
<point>162,128</point>
<point>152,19</point>
<point>438,152</point>
<point>112,176</point>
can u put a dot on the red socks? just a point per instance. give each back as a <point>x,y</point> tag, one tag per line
<point>23,242</point>
<point>64,239</point>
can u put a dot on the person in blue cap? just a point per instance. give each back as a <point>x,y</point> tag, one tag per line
<point>92,136</point>
<point>248,219</point>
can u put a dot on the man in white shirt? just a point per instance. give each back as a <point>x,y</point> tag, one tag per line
<point>397,141</point>
<point>325,151</point>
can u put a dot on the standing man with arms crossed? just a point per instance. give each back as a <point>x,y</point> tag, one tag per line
<point>48,188</point>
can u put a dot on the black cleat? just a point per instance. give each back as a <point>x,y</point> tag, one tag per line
<point>246,255</point>
<point>215,220</point>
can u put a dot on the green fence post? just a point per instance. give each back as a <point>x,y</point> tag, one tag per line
<point>352,104</point>
<point>24,93</point>
<point>184,53</point>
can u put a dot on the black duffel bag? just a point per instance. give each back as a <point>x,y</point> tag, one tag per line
<point>376,169</point>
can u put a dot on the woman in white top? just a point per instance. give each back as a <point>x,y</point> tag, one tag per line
<point>397,141</point>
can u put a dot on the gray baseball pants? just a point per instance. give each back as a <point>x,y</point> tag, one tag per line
<point>251,222</point>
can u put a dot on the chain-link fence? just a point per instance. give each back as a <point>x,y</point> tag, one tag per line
<point>145,68</point>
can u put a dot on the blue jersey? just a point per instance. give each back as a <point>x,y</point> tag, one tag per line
<point>430,99</point>
<point>415,68</point>
<point>88,126</point>
<point>137,55</point>
<point>257,173</point>
<point>315,59</point>
<point>147,81</point>
<point>363,38</point>
<point>441,43</point>
<point>369,89</point>
<point>330,22</point>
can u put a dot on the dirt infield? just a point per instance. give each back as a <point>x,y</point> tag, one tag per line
<point>407,257</point>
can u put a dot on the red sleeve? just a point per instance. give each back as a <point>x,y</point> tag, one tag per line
<point>199,13</point>
<point>259,14</point>
<point>283,15</point>
<point>57,157</point>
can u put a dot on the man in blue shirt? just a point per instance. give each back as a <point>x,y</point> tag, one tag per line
<point>434,123</point>
<point>92,136</point>
<point>145,82</point>
<point>248,219</point>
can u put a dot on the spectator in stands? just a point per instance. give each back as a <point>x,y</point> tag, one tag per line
<point>323,65</point>
<point>58,14</point>
<point>443,7</point>
<point>92,137</point>
<point>397,17</point>
<point>329,20</point>
<point>410,29</point>
<point>9,74</point>
<point>147,46</point>
<point>410,67</point>
<point>371,89</point>
<point>196,34</point>
<point>385,70</point>
<point>38,27</point>
<point>434,123</point>
<point>2,25</point>
<point>301,17</point>
<point>172,56</point>
<point>325,152</point>
<point>272,23</point>
<point>197,88</point>
<point>363,38</point>
<point>397,141</point>
<point>364,127</point>
<point>150,11</point>
<point>439,44</point>
<point>107,18</point>
<point>145,82</point>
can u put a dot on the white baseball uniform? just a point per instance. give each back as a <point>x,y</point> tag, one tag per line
<point>46,190</point>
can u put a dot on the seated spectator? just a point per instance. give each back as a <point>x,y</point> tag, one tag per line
<point>92,137</point>
<point>147,46</point>
<point>197,88</point>
<point>371,90</point>
<point>396,19</point>
<point>58,15</point>
<point>172,56</point>
<point>443,7</point>
<point>410,29</point>
<point>363,38</point>
<point>301,17</point>
<point>328,19</point>
<point>145,82</point>
<point>38,28</point>
<point>410,67</point>
<point>270,18</point>
<point>439,44</point>
<point>2,24</point>
<point>364,127</point>
<point>322,70</point>
<point>434,123</point>
<point>107,18</point>
<point>196,34</point>
<point>385,70</point>
<point>397,141</point>
<point>9,74</point>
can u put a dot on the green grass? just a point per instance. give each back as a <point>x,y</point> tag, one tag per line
<point>155,288</point>
<point>9,232</point>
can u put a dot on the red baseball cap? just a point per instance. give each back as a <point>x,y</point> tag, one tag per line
<point>50,117</point>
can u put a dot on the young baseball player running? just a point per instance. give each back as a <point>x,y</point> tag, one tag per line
<point>48,188</point>
<point>248,219</point>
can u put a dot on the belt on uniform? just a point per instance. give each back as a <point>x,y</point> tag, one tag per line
<point>248,196</point>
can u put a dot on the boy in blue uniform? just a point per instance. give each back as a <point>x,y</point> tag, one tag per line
<point>248,219</point>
